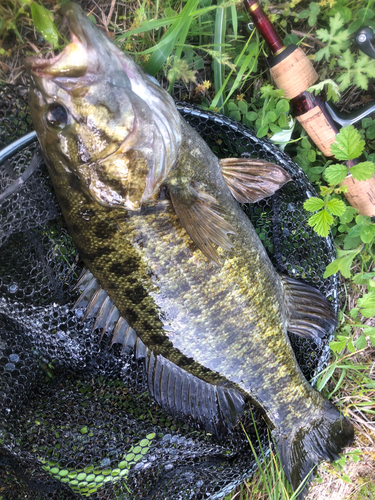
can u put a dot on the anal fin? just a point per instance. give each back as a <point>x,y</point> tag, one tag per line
<point>216,408</point>
<point>310,315</point>
<point>251,180</point>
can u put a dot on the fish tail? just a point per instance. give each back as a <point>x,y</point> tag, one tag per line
<point>312,442</point>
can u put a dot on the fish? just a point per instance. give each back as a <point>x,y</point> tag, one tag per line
<point>175,268</point>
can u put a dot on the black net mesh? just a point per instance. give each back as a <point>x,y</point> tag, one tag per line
<point>76,419</point>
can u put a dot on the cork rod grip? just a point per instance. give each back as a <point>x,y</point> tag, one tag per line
<point>361,195</point>
<point>294,74</point>
<point>318,129</point>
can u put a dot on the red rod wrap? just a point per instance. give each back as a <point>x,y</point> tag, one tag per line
<point>264,26</point>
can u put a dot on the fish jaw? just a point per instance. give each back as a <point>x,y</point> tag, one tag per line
<point>121,131</point>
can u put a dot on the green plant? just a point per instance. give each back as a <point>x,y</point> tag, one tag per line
<point>274,484</point>
<point>271,117</point>
<point>311,14</point>
<point>347,146</point>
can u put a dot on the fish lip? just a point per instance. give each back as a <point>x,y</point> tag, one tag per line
<point>77,22</point>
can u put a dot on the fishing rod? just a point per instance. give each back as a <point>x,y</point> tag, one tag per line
<point>293,72</point>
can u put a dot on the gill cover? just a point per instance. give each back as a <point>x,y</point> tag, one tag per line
<point>122,134</point>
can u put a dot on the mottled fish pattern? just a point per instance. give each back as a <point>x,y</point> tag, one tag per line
<point>150,211</point>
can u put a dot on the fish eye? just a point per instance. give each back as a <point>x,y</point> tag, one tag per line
<point>56,116</point>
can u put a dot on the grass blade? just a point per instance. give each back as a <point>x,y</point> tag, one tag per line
<point>163,50</point>
<point>219,40</point>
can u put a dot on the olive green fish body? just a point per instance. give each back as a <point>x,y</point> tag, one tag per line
<point>220,324</point>
<point>152,216</point>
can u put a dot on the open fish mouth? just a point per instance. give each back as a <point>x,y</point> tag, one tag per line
<point>73,61</point>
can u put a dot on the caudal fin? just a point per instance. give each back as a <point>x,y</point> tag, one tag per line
<point>316,441</point>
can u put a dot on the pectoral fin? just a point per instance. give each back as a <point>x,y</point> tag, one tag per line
<point>251,180</point>
<point>310,315</point>
<point>202,218</point>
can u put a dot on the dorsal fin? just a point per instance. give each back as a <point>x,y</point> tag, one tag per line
<point>202,218</point>
<point>216,408</point>
<point>251,180</point>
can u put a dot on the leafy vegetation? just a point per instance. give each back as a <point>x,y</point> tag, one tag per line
<point>204,52</point>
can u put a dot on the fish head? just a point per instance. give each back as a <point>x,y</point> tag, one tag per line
<point>99,116</point>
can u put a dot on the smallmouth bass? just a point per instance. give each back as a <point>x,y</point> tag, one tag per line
<point>154,216</point>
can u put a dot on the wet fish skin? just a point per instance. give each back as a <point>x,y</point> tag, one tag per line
<point>125,167</point>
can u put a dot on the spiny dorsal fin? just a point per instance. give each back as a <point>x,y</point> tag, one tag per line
<point>310,315</point>
<point>215,407</point>
<point>202,218</point>
<point>251,180</point>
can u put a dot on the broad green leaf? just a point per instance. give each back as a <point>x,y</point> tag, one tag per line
<point>346,478</point>
<point>370,134</point>
<point>270,117</point>
<point>232,106</point>
<point>350,346</point>
<point>355,230</point>
<point>311,155</point>
<point>283,106</point>
<point>336,207</point>
<point>343,228</point>
<point>316,170</point>
<point>236,115</point>
<point>367,301</point>
<point>366,234</point>
<point>368,313</point>
<point>354,312</point>
<point>43,22</point>
<point>363,219</point>
<point>313,204</point>
<point>335,173</point>
<point>342,264</point>
<point>338,345</point>
<point>332,268</point>
<point>363,171</point>
<point>348,215</point>
<point>359,279</point>
<point>282,121</point>
<point>321,222</point>
<point>366,122</point>
<point>352,242</point>
<point>242,106</point>
<point>251,116</point>
<point>361,342</point>
<point>353,27</point>
<point>274,128</point>
<point>304,14</point>
<point>348,144</point>
<point>262,131</point>
<point>368,276</point>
